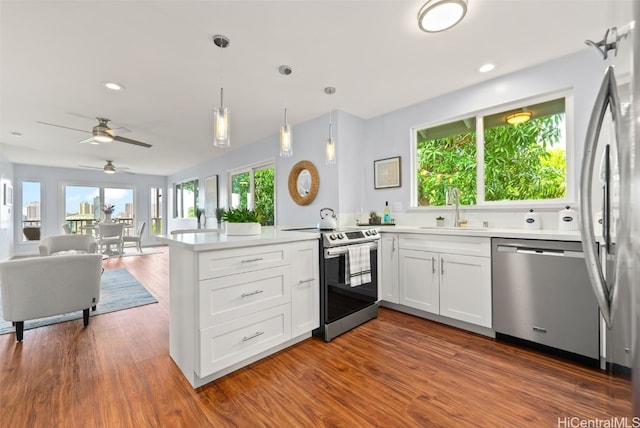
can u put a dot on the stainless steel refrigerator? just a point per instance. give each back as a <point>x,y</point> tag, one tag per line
<point>610,199</point>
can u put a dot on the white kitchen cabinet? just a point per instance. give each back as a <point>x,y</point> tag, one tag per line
<point>388,271</point>
<point>447,275</point>
<point>230,307</point>
<point>419,280</point>
<point>305,292</point>
<point>465,288</point>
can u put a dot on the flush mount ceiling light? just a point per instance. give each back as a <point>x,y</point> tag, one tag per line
<point>439,15</point>
<point>330,148</point>
<point>221,115</point>
<point>286,149</point>
<point>520,117</point>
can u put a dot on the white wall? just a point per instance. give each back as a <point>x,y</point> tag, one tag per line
<point>6,212</point>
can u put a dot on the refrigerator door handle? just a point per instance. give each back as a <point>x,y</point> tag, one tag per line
<point>607,96</point>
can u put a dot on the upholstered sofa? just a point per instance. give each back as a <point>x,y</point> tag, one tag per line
<point>38,287</point>
<point>68,244</point>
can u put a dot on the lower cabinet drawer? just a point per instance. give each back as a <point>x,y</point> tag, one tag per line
<point>226,344</point>
<point>229,297</point>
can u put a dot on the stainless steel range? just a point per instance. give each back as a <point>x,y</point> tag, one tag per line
<point>348,280</point>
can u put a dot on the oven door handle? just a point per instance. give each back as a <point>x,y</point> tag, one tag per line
<point>330,253</point>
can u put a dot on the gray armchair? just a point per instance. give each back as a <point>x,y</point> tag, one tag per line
<point>67,244</point>
<point>38,287</point>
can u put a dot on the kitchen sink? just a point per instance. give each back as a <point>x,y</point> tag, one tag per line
<point>454,228</point>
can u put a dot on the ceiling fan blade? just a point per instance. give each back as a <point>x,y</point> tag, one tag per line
<point>90,140</point>
<point>130,141</point>
<point>60,126</point>
<point>90,167</point>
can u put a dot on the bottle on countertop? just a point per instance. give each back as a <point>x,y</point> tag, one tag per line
<point>386,216</point>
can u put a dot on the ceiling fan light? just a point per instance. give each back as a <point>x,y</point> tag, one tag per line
<point>439,15</point>
<point>109,168</point>
<point>519,117</point>
<point>104,138</point>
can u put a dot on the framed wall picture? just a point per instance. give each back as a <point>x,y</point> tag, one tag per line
<point>7,195</point>
<point>211,195</point>
<point>386,173</point>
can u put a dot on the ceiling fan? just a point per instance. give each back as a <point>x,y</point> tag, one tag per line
<point>109,168</point>
<point>101,133</point>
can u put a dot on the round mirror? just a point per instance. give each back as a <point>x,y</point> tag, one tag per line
<point>303,182</point>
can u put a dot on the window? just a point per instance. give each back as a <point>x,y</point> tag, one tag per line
<point>84,205</point>
<point>186,199</point>
<point>253,188</point>
<point>156,210</point>
<point>31,219</point>
<point>491,161</point>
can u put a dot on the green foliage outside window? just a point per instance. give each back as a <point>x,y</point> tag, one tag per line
<point>264,201</point>
<point>521,162</point>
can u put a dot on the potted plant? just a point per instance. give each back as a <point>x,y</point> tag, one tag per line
<point>242,221</point>
<point>440,221</point>
<point>374,218</point>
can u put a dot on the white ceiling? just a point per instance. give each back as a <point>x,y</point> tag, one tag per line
<point>55,54</point>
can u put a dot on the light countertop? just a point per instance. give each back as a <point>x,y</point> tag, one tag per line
<point>207,241</point>
<point>547,234</point>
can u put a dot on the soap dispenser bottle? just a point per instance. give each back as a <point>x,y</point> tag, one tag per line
<point>386,216</point>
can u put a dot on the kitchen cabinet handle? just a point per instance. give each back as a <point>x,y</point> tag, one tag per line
<point>251,293</point>
<point>393,244</point>
<point>433,264</point>
<point>607,95</point>
<point>253,336</point>
<point>257,259</point>
<point>303,281</point>
<point>442,265</point>
<point>539,329</point>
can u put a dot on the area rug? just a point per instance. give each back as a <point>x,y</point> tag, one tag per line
<point>118,290</point>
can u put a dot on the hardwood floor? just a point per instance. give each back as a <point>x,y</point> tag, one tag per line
<point>397,370</point>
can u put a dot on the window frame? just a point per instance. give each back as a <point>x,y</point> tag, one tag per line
<point>481,203</point>
<point>178,204</point>
<point>251,169</point>
<point>20,236</point>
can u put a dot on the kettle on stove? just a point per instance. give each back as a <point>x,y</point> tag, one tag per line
<point>328,219</point>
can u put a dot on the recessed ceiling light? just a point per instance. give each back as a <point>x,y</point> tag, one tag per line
<point>486,67</point>
<point>113,86</point>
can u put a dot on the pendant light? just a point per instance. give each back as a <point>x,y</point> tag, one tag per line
<point>330,149</point>
<point>286,148</point>
<point>221,125</point>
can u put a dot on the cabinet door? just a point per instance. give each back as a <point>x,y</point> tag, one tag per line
<point>389,267</point>
<point>419,277</point>
<point>305,289</point>
<point>465,288</point>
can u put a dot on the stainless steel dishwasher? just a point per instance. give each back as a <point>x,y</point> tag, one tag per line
<point>541,293</point>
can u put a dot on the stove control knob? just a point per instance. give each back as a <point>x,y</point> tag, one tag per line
<point>332,236</point>
<point>374,232</point>
<point>340,236</point>
<point>366,232</point>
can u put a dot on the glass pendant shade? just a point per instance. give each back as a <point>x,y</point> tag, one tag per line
<point>286,150</point>
<point>221,125</point>
<point>331,151</point>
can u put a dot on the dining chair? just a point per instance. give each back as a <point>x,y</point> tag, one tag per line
<point>110,234</point>
<point>137,238</point>
<point>66,229</point>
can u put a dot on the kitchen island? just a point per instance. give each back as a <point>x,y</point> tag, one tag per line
<point>236,299</point>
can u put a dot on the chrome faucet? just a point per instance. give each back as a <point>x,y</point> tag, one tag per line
<point>454,193</point>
